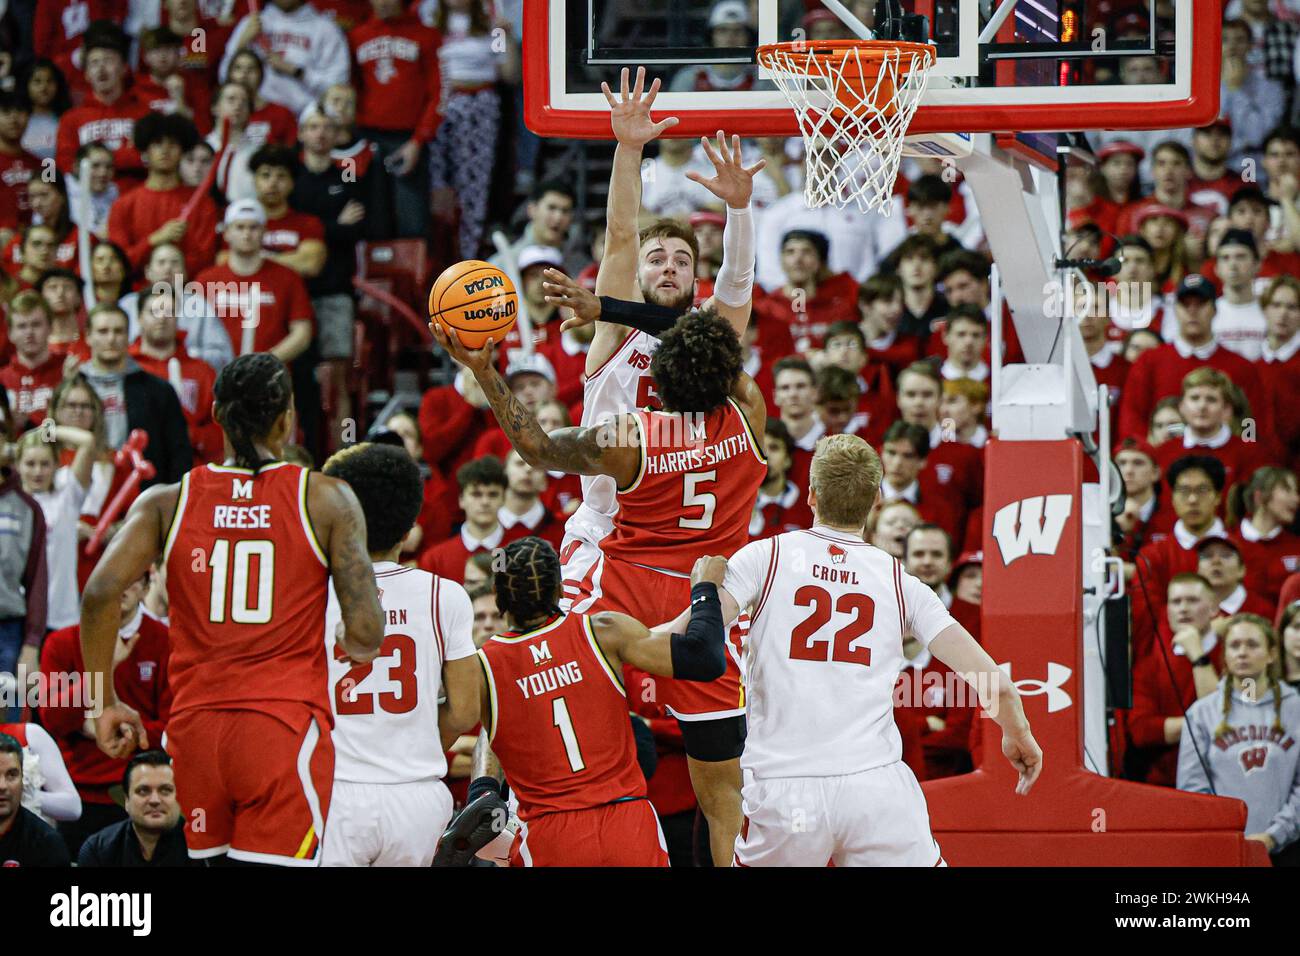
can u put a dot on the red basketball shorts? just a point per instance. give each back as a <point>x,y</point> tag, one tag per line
<point>654,598</point>
<point>616,834</point>
<point>254,784</point>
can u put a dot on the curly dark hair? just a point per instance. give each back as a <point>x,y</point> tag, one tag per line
<point>386,481</point>
<point>528,586</point>
<point>250,394</point>
<point>155,127</point>
<point>697,363</point>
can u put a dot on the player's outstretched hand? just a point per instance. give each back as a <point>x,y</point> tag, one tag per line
<point>475,827</point>
<point>629,115</point>
<point>477,360</point>
<point>119,731</point>
<point>1026,756</point>
<point>733,184</point>
<point>564,292</point>
<point>709,568</point>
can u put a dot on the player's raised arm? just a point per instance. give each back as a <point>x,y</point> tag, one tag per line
<point>733,290</point>
<point>336,513</point>
<point>606,449</point>
<point>998,695</point>
<point>118,728</point>
<point>698,653</point>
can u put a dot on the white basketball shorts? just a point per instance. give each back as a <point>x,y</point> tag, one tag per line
<point>385,824</point>
<point>874,818</point>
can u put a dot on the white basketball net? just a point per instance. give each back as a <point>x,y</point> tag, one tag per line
<point>852,130</point>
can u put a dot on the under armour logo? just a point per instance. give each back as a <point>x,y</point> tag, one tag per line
<point>1057,675</point>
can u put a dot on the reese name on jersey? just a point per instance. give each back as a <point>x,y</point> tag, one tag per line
<point>553,678</point>
<point>694,458</point>
<point>241,516</point>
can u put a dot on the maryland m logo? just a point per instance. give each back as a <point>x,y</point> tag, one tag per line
<point>242,490</point>
<point>541,652</point>
<point>1031,524</point>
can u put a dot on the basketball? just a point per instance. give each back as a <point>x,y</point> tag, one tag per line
<point>476,299</point>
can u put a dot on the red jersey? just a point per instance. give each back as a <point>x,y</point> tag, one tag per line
<point>399,81</point>
<point>133,218</point>
<point>30,388</point>
<point>271,123</point>
<point>15,173</point>
<point>193,379</point>
<point>65,253</point>
<point>694,493</point>
<point>282,299</point>
<point>113,125</point>
<point>558,720</point>
<point>285,233</point>
<point>836,300</point>
<point>247,582</point>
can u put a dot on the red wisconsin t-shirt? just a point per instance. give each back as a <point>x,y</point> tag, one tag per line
<point>281,298</point>
<point>285,233</point>
<point>65,253</point>
<point>15,173</point>
<point>30,388</point>
<point>271,124</point>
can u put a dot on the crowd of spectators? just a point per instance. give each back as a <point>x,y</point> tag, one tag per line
<point>350,121</point>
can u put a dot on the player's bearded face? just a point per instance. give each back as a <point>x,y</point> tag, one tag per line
<point>667,274</point>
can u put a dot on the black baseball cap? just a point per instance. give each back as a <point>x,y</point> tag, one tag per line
<point>1196,286</point>
<point>1239,237</point>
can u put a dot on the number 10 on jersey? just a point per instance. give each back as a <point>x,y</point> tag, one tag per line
<point>231,568</point>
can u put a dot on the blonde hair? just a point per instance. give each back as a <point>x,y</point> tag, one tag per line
<point>1206,377</point>
<point>1276,286</point>
<point>976,393</point>
<point>845,473</point>
<point>1273,669</point>
<point>37,438</point>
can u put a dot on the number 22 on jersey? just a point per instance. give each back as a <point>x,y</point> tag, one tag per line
<point>807,645</point>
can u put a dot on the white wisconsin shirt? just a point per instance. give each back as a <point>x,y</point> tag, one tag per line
<point>824,649</point>
<point>62,509</point>
<point>1240,328</point>
<point>386,712</point>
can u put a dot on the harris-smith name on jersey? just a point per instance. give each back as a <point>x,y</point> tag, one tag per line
<point>693,459</point>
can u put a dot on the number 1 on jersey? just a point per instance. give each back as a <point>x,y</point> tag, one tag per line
<point>560,716</point>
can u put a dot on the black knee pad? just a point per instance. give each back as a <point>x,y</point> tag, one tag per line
<point>713,741</point>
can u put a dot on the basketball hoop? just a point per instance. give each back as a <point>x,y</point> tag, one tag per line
<point>854,100</point>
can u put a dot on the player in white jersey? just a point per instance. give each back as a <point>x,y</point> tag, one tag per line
<point>655,266</point>
<point>824,776</point>
<point>389,805</point>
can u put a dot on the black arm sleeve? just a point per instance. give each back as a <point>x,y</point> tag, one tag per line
<point>699,654</point>
<point>646,316</point>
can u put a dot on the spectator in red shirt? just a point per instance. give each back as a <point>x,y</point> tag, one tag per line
<point>203,40</point>
<point>880,305</point>
<point>161,352</point>
<point>1171,175</point>
<point>812,298</point>
<point>563,491</point>
<point>1271,551</point>
<point>152,214</point>
<point>49,202</point>
<point>292,238</point>
<point>523,512</point>
<point>482,491</point>
<point>1108,365</point>
<point>439,511</point>
<point>17,166</point>
<point>1212,183</point>
<point>1251,210</point>
<point>903,453</point>
<point>877,406</point>
<point>263,304</point>
<point>162,86</point>
<point>267,122</point>
<point>140,661</point>
<point>1166,421</point>
<point>1165,231</point>
<point>31,375</point>
<point>952,470</point>
<point>1146,511</point>
<point>546,317</point>
<point>966,335</point>
<point>780,505</point>
<point>708,226</point>
<point>1219,561</point>
<point>963,409</point>
<point>61,290</point>
<point>794,390</point>
<point>1160,372</point>
<point>1116,183</point>
<point>1279,367</point>
<point>532,381</point>
<point>38,246</point>
<point>1171,676</point>
<point>60,25</point>
<point>109,112</point>
<point>399,86</point>
<point>452,417</point>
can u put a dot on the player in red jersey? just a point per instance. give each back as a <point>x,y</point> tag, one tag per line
<point>249,546</point>
<point>687,478</point>
<point>556,711</point>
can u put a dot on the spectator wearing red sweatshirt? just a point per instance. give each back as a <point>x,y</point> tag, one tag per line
<point>846,347</point>
<point>452,417</point>
<point>945,703</point>
<point>267,122</point>
<point>17,166</point>
<point>482,491</point>
<point>152,214</point>
<point>1279,368</point>
<point>439,510</point>
<point>162,86</point>
<point>263,304</point>
<point>291,238</point>
<point>1219,561</point>
<point>160,351</point>
<point>140,660</point>
<point>812,297</point>
<point>522,511</point>
<point>30,377</point>
<point>1171,676</point>
<point>880,306</point>
<point>60,26</point>
<point>399,86</point>
<point>1206,409</point>
<point>1147,510</point>
<point>1159,372</point>
<point>903,453</point>
<point>203,40</point>
<point>1271,552</point>
<point>109,112</point>
<point>1171,174</point>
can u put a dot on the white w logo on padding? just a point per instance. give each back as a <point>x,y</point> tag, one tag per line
<point>1021,527</point>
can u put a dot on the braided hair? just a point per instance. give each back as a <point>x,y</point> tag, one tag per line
<point>528,585</point>
<point>1273,670</point>
<point>251,393</point>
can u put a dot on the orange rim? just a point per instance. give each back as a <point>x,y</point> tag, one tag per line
<point>870,52</point>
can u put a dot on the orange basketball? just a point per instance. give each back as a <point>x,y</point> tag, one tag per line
<point>476,299</point>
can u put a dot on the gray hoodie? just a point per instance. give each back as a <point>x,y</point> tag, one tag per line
<point>1252,761</point>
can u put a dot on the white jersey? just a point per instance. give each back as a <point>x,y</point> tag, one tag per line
<point>623,384</point>
<point>386,712</point>
<point>825,647</point>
